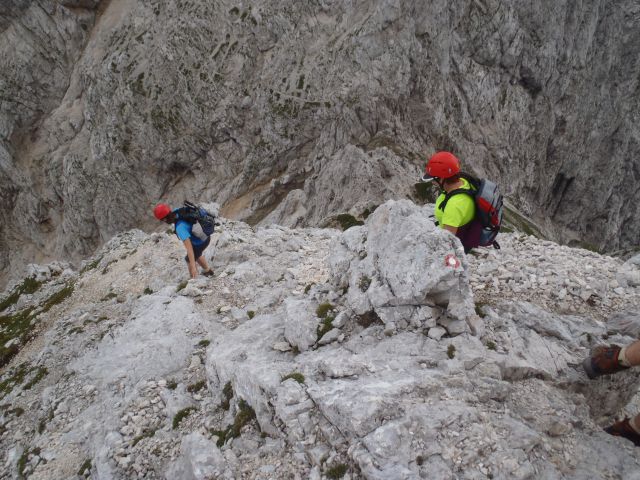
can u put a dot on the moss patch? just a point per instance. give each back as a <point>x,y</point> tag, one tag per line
<point>91,266</point>
<point>204,343</point>
<point>16,376</point>
<point>145,434</point>
<point>326,313</point>
<point>369,211</point>
<point>297,376</point>
<point>181,415</point>
<point>325,326</point>
<point>58,297</point>
<point>15,328</point>
<point>451,351</point>
<point>323,309</point>
<point>108,296</point>
<point>85,468</point>
<point>42,425</point>
<point>243,417</point>
<point>227,395</point>
<point>367,319</point>
<point>336,471</point>
<point>41,372</point>
<point>196,387</point>
<point>29,285</point>
<point>478,308</point>
<point>347,221</point>
<point>251,314</point>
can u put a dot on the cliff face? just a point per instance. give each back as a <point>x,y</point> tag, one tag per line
<point>292,112</point>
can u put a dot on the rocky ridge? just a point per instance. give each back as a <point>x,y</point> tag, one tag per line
<point>318,354</point>
<point>293,112</point>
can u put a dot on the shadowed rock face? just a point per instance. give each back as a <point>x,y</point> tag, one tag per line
<point>293,112</point>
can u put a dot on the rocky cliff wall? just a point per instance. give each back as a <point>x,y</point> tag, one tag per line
<point>292,112</point>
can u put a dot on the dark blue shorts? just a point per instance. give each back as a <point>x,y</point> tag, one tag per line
<point>197,250</point>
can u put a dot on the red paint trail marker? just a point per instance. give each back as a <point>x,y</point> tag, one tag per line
<point>451,261</point>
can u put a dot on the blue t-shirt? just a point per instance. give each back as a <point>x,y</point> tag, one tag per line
<point>183,230</point>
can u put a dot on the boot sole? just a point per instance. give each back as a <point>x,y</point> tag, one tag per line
<point>588,369</point>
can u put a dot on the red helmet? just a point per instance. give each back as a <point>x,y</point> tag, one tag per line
<point>161,211</point>
<point>442,165</point>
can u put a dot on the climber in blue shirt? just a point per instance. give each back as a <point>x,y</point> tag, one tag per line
<point>194,244</point>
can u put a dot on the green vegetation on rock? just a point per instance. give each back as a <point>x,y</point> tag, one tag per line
<point>196,387</point>
<point>451,351</point>
<point>181,415</point>
<point>243,417</point>
<point>297,376</point>
<point>227,395</point>
<point>347,220</point>
<point>29,285</point>
<point>145,434</point>
<point>336,471</point>
<point>85,468</point>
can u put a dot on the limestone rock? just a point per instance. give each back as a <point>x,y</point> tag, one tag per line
<point>400,256</point>
<point>270,109</point>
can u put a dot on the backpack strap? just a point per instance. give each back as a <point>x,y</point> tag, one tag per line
<point>185,213</point>
<point>473,183</point>
<point>455,192</point>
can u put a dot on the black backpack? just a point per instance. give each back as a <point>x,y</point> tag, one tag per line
<point>193,214</point>
<point>488,200</point>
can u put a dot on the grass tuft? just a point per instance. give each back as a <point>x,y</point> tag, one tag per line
<point>196,387</point>
<point>145,434</point>
<point>323,309</point>
<point>58,297</point>
<point>41,372</point>
<point>29,285</point>
<point>336,471</point>
<point>364,283</point>
<point>243,417</point>
<point>325,326</point>
<point>227,394</point>
<point>85,467</point>
<point>181,415</point>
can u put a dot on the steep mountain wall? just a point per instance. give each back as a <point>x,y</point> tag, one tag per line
<point>291,112</point>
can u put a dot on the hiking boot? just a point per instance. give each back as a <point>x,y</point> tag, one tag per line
<point>624,429</point>
<point>208,273</point>
<point>603,360</point>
